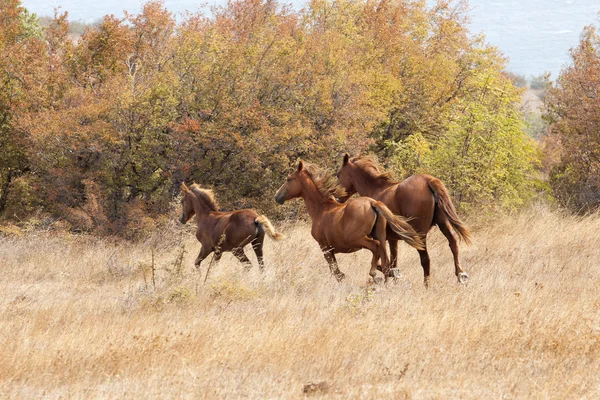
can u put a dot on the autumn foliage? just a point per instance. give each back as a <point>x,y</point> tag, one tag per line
<point>573,108</point>
<point>99,132</point>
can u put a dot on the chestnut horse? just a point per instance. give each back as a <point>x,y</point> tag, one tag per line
<point>423,199</point>
<point>344,228</point>
<point>224,231</point>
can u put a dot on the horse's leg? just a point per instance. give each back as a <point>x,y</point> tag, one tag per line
<point>240,255</point>
<point>333,267</point>
<point>462,276</point>
<point>425,264</point>
<point>393,252</point>
<point>380,235</point>
<point>257,246</point>
<point>374,247</point>
<point>201,256</point>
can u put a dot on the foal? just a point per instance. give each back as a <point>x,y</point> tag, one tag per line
<point>224,231</point>
<point>344,228</point>
<point>422,198</point>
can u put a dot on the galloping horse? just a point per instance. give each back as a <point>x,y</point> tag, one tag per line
<point>421,198</point>
<point>344,228</point>
<point>224,231</point>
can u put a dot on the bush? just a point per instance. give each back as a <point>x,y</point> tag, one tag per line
<point>539,82</point>
<point>573,108</point>
<point>138,105</point>
<point>518,80</point>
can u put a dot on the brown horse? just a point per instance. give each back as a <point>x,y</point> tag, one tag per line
<point>421,198</point>
<point>224,231</point>
<point>344,228</point>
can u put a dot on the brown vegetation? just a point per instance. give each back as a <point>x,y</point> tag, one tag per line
<point>100,132</point>
<point>82,318</point>
<point>573,146</point>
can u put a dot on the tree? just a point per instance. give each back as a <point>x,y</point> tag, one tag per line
<point>115,121</point>
<point>452,111</point>
<point>573,109</point>
<point>20,52</point>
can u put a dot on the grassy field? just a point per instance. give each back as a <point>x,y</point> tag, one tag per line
<point>82,318</point>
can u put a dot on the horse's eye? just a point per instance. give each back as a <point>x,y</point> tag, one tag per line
<point>288,179</point>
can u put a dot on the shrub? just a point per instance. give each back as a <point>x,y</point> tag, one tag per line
<point>573,108</point>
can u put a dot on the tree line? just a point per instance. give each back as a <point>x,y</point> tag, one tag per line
<point>99,132</point>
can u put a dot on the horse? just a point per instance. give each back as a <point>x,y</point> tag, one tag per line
<point>219,232</point>
<point>423,199</point>
<point>344,228</point>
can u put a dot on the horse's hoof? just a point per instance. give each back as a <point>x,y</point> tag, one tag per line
<point>426,283</point>
<point>378,280</point>
<point>395,273</point>
<point>340,277</point>
<point>463,278</point>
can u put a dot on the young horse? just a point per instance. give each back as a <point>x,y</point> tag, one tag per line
<point>224,231</point>
<point>421,198</point>
<point>344,228</point>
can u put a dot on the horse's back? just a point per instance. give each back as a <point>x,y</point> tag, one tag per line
<point>239,227</point>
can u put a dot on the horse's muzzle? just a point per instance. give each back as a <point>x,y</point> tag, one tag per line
<point>279,199</point>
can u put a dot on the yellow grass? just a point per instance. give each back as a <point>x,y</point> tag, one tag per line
<point>80,318</point>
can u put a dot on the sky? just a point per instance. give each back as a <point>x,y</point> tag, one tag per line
<point>535,35</point>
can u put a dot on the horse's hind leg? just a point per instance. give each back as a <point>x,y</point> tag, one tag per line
<point>380,235</point>
<point>257,246</point>
<point>425,263</point>
<point>393,253</point>
<point>374,247</point>
<point>462,276</point>
<point>240,255</point>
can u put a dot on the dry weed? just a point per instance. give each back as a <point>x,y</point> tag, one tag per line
<point>82,318</point>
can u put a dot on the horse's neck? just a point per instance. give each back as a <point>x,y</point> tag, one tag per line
<point>314,200</point>
<point>201,210</point>
<point>205,218</point>
<point>366,186</point>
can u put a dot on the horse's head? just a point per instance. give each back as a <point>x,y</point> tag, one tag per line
<point>187,208</point>
<point>345,180</point>
<point>292,187</point>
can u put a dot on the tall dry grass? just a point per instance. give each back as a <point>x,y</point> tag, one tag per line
<point>81,318</point>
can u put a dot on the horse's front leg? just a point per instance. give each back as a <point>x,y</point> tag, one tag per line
<point>201,256</point>
<point>333,266</point>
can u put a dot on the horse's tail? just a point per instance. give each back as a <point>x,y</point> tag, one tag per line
<point>444,203</point>
<point>399,225</point>
<point>267,226</point>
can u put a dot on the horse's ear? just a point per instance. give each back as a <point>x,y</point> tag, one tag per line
<point>300,165</point>
<point>184,188</point>
<point>346,158</point>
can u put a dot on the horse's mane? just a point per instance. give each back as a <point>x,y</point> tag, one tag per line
<point>324,181</point>
<point>370,166</point>
<point>207,196</point>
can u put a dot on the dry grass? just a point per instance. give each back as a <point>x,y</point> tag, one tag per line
<point>81,318</point>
